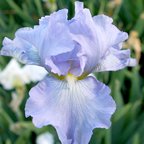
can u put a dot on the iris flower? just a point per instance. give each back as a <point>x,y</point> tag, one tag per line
<point>70,98</point>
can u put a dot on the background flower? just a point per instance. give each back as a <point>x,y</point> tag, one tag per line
<point>14,75</point>
<point>45,138</point>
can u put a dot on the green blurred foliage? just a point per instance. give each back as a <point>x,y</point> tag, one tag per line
<point>127,85</point>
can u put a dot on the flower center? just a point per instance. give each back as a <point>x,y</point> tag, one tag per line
<point>70,78</point>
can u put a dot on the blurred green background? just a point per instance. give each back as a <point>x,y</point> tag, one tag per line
<point>127,85</point>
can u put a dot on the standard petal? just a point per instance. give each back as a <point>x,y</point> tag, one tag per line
<point>21,50</point>
<point>48,44</point>
<point>74,108</point>
<point>34,36</point>
<point>114,37</point>
<point>57,38</point>
<point>100,41</point>
<point>59,53</point>
<point>88,35</point>
<point>37,35</point>
<point>53,41</point>
<point>78,6</point>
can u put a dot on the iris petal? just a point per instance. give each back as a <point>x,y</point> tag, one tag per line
<point>115,60</point>
<point>114,36</point>
<point>21,50</point>
<point>74,108</point>
<point>48,44</point>
<point>85,33</point>
<point>57,38</point>
<point>36,35</point>
<point>100,41</point>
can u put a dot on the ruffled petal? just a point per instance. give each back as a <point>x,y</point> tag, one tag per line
<point>37,35</point>
<point>34,36</point>
<point>54,43</point>
<point>73,107</point>
<point>100,41</point>
<point>69,62</point>
<point>58,47</point>
<point>57,38</point>
<point>51,37</point>
<point>114,37</point>
<point>87,35</point>
<point>115,60</point>
<point>78,46</point>
<point>21,50</point>
<point>48,44</point>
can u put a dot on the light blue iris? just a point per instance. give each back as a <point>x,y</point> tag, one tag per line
<point>70,99</point>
